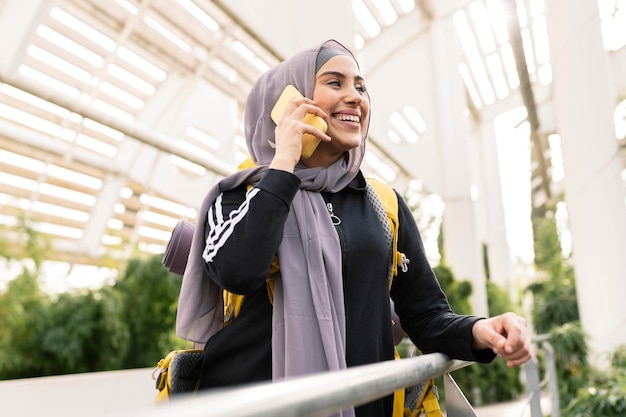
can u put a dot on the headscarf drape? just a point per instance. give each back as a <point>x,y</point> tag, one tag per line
<point>308,333</point>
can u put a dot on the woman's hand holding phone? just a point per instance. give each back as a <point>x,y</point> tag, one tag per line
<point>298,114</point>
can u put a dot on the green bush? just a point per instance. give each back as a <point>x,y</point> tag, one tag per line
<point>149,296</point>
<point>604,394</point>
<point>128,325</point>
<point>74,333</point>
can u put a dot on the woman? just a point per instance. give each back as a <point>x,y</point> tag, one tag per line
<point>331,305</point>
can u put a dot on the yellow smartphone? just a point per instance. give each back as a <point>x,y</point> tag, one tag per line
<point>309,142</point>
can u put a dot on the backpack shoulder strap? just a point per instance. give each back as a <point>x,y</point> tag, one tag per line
<point>389,201</point>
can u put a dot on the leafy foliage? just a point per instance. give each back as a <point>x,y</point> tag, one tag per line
<point>605,393</point>
<point>130,324</point>
<point>555,301</point>
<point>570,351</point>
<point>23,309</point>
<point>149,296</point>
<point>457,292</point>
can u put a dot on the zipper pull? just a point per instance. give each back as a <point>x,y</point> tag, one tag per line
<point>335,219</point>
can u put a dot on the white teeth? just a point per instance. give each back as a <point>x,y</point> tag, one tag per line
<point>348,118</point>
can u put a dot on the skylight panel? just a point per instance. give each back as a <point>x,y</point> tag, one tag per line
<point>30,120</point>
<point>67,194</point>
<point>394,137</point>
<point>121,95</point>
<point>151,248</point>
<point>116,224</point>
<point>415,118</point>
<point>261,65</point>
<point>379,166</point>
<point>544,74</point>
<point>17,160</point>
<point>483,28</point>
<point>126,193</point>
<point>521,14</point>
<point>157,218</point>
<point>82,28</point>
<point>153,233</point>
<point>49,82</point>
<point>406,5</point>
<point>506,52</point>
<point>59,64</point>
<point>386,11</point>
<point>193,149</point>
<point>34,101</point>
<point>473,57</point>
<point>70,46</point>
<point>498,19</point>
<point>542,45</point>
<point>243,50</point>
<point>400,123</point>
<point>202,137</point>
<point>113,111</point>
<point>188,165</point>
<point>536,7</point>
<point>167,34</point>
<point>131,79</point>
<point>130,8</point>
<point>75,177</point>
<point>199,14</point>
<point>613,25</point>
<point>108,240</point>
<point>95,145</point>
<point>163,204</point>
<point>141,64</point>
<point>497,76</point>
<point>58,230</point>
<point>366,18</point>
<point>226,71</point>
<point>359,42</point>
<point>105,130</point>
<point>469,84</point>
<point>19,182</point>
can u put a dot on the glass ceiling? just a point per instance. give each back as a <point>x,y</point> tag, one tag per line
<point>94,80</point>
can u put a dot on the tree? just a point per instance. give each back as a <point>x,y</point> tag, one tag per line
<point>150,294</point>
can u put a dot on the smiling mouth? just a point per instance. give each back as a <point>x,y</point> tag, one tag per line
<point>348,118</point>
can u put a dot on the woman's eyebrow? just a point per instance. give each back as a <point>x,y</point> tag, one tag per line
<point>341,75</point>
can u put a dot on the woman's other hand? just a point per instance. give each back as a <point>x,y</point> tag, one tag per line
<point>506,335</point>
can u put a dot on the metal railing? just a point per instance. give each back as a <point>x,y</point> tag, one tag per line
<point>315,395</point>
<point>327,393</point>
<point>535,385</point>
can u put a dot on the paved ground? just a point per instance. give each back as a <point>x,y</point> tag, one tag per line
<point>518,408</point>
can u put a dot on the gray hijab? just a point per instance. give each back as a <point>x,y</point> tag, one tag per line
<point>308,332</point>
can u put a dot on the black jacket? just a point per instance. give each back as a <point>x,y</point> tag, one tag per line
<point>241,352</point>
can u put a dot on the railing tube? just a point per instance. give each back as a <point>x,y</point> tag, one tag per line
<point>314,395</point>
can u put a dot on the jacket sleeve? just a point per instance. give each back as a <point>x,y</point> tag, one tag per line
<point>244,229</point>
<point>421,305</point>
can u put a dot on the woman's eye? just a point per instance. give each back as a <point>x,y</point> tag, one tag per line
<point>361,88</point>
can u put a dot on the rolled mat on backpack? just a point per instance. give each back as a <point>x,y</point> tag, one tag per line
<point>177,251</point>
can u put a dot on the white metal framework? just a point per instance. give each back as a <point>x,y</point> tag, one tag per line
<point>116,114</point>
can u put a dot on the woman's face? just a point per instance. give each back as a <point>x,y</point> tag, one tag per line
<point>340,92</point>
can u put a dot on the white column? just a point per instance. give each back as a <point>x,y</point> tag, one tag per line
<point>584,103</point>
<point>462,247</point>
<point>18,23</point>
<point>492,211</point>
